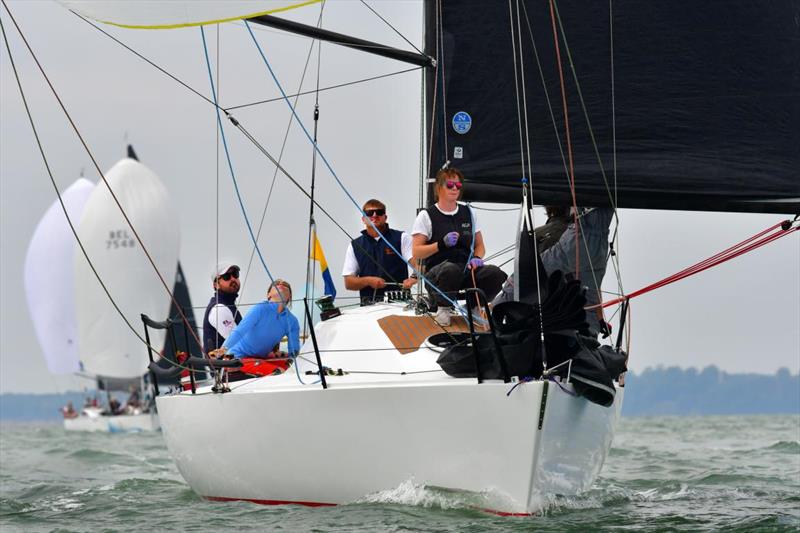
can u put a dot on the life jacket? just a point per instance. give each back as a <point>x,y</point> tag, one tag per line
<point>441,225</point>
<point>376,258</point>
<point>257,366</point>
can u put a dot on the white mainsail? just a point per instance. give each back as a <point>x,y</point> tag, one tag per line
<point>49,280</point>
<point>108,347</point>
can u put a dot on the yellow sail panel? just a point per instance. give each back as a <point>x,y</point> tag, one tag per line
<point>167,14</point>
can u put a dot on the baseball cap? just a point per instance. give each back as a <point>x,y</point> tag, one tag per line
<point>223,267</point>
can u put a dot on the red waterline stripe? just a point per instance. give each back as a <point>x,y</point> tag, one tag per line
<point>267,502</point>
<point>320,504</point>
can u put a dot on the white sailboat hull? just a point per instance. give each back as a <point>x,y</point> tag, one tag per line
<point>114,424</point>
<point>341,444</point>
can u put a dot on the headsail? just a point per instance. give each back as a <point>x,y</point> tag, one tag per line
<point>49,280</point>
<point>706,98</point>
<point>108,347</point>
<point>177,13</point>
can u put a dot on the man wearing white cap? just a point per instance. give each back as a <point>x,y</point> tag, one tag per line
<point>221,314</point>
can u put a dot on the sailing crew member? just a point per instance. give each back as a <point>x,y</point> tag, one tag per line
<point>221,313</point>
<point>370,263</point>
<point>448,237</point>
<point>558,219</point>
<point>260,332</point>
<point>593,231</point>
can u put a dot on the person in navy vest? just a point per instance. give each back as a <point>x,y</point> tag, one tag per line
<point>446,235</point>
<point>369,263</point>
<point>221,313</point>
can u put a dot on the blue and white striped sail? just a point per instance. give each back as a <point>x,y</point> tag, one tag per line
<point>49,280</point>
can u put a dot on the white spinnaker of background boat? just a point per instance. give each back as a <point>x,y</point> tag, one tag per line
<point>108,347</point>
<point>49,280</point>
<point>178,13</point>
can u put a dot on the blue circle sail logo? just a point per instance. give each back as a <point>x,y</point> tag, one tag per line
<point>462,122</point>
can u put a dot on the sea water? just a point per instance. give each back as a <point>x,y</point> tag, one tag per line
<point>663,474</point>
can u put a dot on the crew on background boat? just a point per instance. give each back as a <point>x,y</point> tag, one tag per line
<point>260,332</point>
<point>221,313</point>
<point>369,263</point>
<point>448,237</point>
<point>68,411</point>
<point>114,407</point>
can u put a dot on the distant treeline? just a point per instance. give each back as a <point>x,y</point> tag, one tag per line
<point>656,391</point>
<point>676,391</point>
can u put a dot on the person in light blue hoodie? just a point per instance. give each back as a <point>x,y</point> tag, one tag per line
<point>260,332</point>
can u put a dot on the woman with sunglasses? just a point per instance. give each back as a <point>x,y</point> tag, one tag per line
<point>265,324</point>
<point>447,236</point>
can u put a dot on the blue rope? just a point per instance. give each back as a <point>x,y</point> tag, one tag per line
<point>230,164</point>
<point>333,173</point>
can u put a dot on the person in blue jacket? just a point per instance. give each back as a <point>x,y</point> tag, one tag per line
<point>260,332</point>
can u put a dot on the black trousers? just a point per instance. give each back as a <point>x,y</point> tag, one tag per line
<point>450,277</point>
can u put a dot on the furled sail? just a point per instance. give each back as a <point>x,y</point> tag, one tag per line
<point>108,347</point>
<point>703,105</point>
<point>49,280</point>
<point>158,14</point>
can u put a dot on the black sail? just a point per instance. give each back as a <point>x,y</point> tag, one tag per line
<point>706,100</point>
<point>181,293</point>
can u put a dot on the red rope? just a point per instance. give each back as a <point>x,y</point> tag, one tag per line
<point>569,140</point>
<point>756,241</point>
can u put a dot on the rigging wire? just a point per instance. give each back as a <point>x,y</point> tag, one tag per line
<point>751,243</point>
<point>392,27</point>
<point>103,178</point>
<point>567,136</point>
<point>323,89</point>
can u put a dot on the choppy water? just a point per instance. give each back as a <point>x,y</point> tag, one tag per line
<point>666,473</point>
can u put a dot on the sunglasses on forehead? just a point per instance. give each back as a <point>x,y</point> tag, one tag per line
<point>228,275</point>
<point>375,212</point>
<point>452,184</point>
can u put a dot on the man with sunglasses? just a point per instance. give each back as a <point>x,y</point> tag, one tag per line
<point>221,313</point>
<point>370,263</point>
<point>447,236</point>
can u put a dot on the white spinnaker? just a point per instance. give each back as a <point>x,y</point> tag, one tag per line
<point>108,347</point>
<point>49,280</point>
<point>160,14</point>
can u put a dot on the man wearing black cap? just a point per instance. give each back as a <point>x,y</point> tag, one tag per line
<point>221,314</point>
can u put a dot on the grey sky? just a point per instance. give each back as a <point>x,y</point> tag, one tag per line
<point>741,316</point>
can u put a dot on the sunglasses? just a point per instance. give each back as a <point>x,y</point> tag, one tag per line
<point>450,184</point>
<point>228,275</point>
<point>374,212</point>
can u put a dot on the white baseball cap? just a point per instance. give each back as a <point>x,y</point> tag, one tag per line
<point>222,268</point>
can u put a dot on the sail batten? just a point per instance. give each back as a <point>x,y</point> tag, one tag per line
<point>706,107</point>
